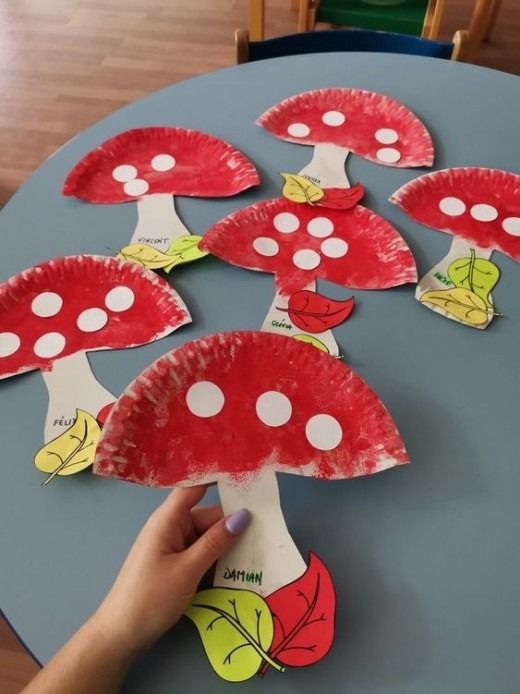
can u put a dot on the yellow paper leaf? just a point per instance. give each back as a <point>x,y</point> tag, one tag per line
<point>184,249</point>
<point>311,340</point>
<point>464,305</point>
<point>71,451</point>
<point>145,255</point>
<point>236,628</point>
<point>300,189</point>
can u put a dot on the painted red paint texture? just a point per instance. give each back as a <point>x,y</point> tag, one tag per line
<point>377,256</point>
<point>205,166</point>
<point>304,614</point>
<point>421,199</point>
<point>152,438</point>
<point>83,283</point>
<point>365,113</point>
<point>342,198</point>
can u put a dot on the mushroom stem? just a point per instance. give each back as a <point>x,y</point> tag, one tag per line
<point>435,288</point>
<point>158,223</point>
<point>278,321</point>
<point>266,557</point>
<point>72,385</point>
<point>327,166</point>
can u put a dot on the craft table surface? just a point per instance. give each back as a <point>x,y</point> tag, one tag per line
<point>425,557</point>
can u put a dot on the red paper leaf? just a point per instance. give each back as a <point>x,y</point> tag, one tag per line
<point>103,413</point>
<point>304,617</point>
<point>342,198</point>
<point>315,313</point>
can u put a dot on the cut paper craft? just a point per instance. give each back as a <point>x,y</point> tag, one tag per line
<point>244,634</point>
<point>72,451</point>
<point>338,121</point>
<point>299,189</point>
<point>481,208</point>
<point>354,248</point>
<point>52,314</point>
<point>152,165</point>
<point>183,249</point>
<point>300,411</point>
<point>315,313</point>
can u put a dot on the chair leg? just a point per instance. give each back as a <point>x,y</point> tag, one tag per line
<point>256,19</point>
<point>432,19</point>
<point>479,24</point>
<point>492,19</point>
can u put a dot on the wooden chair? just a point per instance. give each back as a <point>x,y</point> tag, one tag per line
<point>483,18</point>
<point>416,17</point>
<point>332,40</point>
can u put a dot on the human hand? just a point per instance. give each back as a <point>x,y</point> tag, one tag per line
<point>162,571</point>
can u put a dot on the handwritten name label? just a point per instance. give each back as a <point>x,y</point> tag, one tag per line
<point>281,324</point>
<point>63,422</point>
<point>152,242</point>
<point>243,576</point>
<point>442,278</point>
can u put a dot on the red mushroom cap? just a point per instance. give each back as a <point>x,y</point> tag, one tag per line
<point>82,303</point>
<point>481,206</point>
<point>299,243</point>
<point>371,125</point>
<point>234,403</point>
<point>145,161</point>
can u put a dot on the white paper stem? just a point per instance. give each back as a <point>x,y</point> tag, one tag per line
<point>158,223</point>
<point>72,385</point>
<point>265,558</point>
<point>278,321</point>
<point>437,278</point>
<point>327,166</point>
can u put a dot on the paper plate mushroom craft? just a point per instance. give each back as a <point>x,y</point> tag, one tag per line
<point>338,121</point>
<point>300,243</point>
<point>150,166</point>
<point>301,412</point>
<point>52,314</point>
<point>481,208</point>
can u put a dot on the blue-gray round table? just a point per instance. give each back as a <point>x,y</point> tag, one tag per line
<point>425,557</point>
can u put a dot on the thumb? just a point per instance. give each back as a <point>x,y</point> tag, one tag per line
<point>216,541</point>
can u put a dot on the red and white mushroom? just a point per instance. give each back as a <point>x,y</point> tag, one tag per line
<point>151,166</point>
<point>53,313</point>
<point>481,208</point>
<point>338,121</point>
<point>236,408</point>
<point>301,243</point>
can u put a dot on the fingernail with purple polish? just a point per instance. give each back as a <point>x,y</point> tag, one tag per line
<point>237,522</point>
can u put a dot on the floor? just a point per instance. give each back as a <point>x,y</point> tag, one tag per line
<point>68,63</point>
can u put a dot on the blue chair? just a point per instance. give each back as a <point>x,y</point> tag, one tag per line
<point>332,40</point>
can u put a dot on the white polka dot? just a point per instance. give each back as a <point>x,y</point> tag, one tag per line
<point>9,344</point>
<point>333,118</point>
<point>205,399</point>
<point>453,207</point>
<point>119,299</point>
<point>286,222</point>
<point>323,432</point>
<point>386,136</point>
<point>266,246</point>
<point>273,408</point>
<point>46,304</point>
<point>163,162</point>
<point>137,187</point>
<point>49,345</point>
<point>483,213</point>
<point>320,227</point>
<point>124,173</point>
<point>511,225</point>
<point>388,155</point>
<point>91,320</point>
<point>334,248</point>
<point>298,130</point>
<point>306,259</point>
